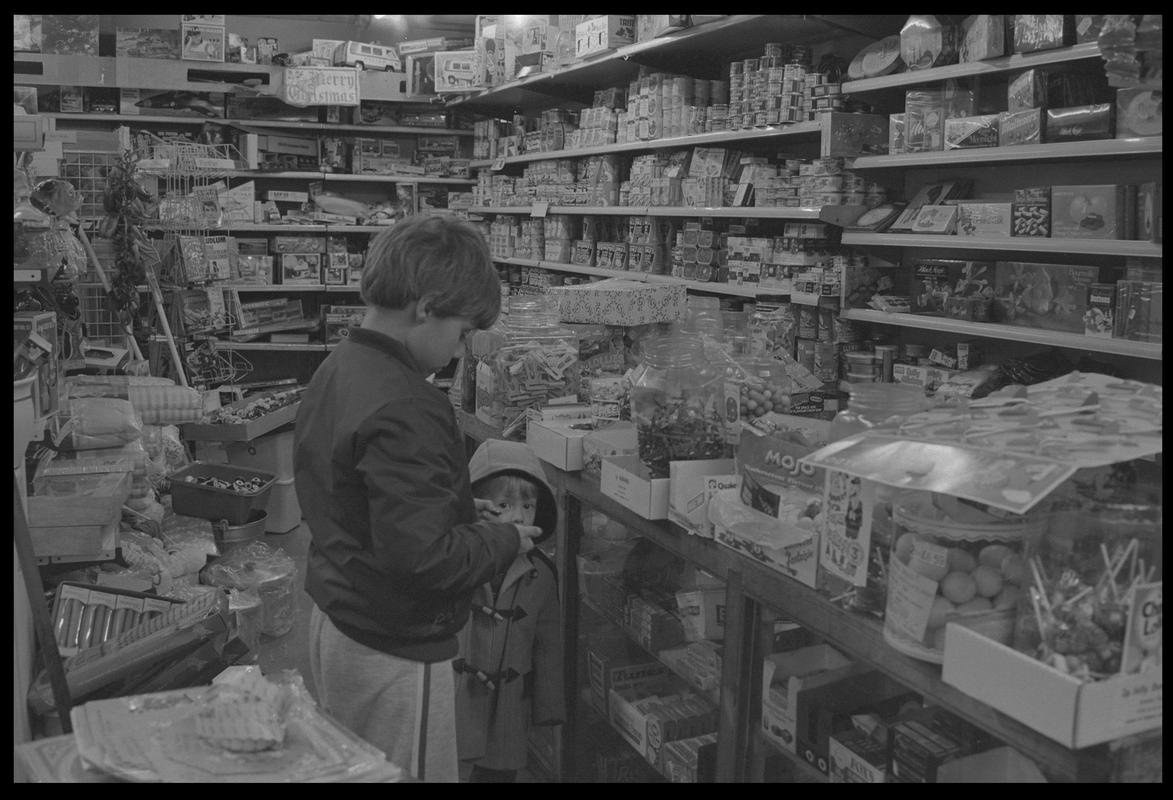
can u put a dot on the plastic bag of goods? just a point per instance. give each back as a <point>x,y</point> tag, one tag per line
<point>265,571</point>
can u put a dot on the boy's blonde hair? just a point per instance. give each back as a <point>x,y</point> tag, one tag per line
<point>441,258</point>
<point>507,485</point>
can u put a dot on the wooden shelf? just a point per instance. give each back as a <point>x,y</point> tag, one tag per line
<point>990,330</point>
<point>1024,244</point>
<point>324,127</point>
<point>810,130</point>
<point>983,156</point>
<point>1017,61</point>
<point>253,287</point>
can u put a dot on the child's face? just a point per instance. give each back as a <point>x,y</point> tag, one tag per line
<point>516,504</point>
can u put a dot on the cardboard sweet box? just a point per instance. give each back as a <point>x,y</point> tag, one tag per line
<point>616,301</point>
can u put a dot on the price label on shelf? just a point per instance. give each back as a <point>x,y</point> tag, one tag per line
<point>498,164</point>
<point>540,208</point>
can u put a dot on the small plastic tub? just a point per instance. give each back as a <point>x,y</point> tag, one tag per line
<point>195,499</point>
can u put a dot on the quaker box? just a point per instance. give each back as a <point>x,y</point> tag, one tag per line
<point>1072,712</point>
<point>688,499</point>
<point>1035,295</point>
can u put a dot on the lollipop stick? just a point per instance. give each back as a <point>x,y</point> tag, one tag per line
<point>1034,599</point>
<point>1071,600</point>
<point>1034,567</point>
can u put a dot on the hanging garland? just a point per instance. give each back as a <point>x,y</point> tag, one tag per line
<point>128,206</point>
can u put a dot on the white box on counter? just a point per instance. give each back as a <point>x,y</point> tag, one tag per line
<point>618,301</point>
<point>558,442</point>
<point>788,549</point>
<point>1074,713</point>
<point>627,481</point>
<point>603,33</point>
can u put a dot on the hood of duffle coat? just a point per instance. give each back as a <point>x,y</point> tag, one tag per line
<point>497,457</point>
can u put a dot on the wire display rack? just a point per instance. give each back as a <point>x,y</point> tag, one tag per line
<point>87,171</point>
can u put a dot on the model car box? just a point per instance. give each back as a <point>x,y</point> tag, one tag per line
<point>964,132</point>
<point>70,34</point>
<point>854,756</point>
<point>984,220</point>
<point>338,321</point>
<point>603,33</point>
<point>1035,295</point>
<point>147,43</point>
<point>1089,211</point>
<point>1034,32</point>
<point>301,269</point>
<point>1080,123</point>
<point>1020,127</point>
<point>983,36</point>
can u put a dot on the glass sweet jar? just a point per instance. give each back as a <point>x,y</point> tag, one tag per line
<point>874,404</point>
<point>536,363</point>
<point>1092,605</point>
<point>954,561</point>
<point>676,403</point>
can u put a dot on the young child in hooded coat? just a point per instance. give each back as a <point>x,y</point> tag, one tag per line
<point>509,671</point>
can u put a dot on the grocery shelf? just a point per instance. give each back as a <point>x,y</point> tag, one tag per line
<point>728,289</point>
<point>983,156</point>
<point>729,37</point>
<point>802,129</point>
<point>1022,244</point>
<point>991,330</point>
<point>1017,61</point>
<point>323,127</point>
<point>835,215</point>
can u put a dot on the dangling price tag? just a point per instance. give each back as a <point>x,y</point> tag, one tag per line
<point>539,208</point>
<point>499,164</point>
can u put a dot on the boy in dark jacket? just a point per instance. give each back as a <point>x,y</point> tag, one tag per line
<point>510,665</point>
<point>396,550</point>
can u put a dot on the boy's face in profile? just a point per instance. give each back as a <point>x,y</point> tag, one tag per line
<point>515,498</point>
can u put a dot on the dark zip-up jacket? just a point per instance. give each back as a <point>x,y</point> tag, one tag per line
<point>381,474</point>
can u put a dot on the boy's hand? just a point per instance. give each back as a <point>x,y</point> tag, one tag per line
<point>487,510</point>
<point>528,533</point>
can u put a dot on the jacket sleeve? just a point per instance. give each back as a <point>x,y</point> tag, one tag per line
<point>549,700</point>
<point>404,458</point>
